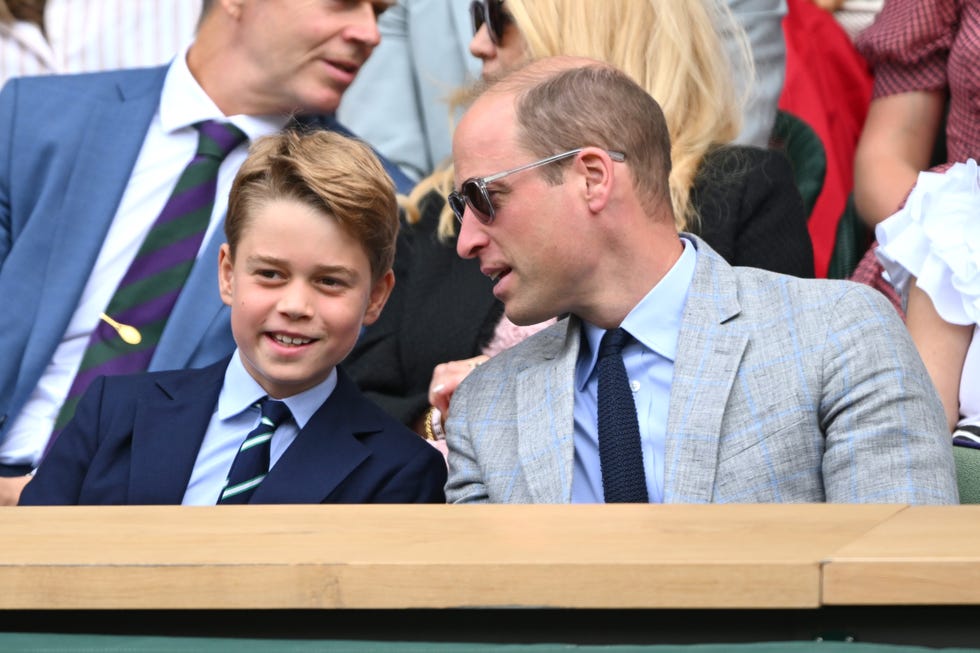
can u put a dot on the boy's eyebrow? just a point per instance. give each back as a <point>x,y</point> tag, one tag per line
<point>320,269</point>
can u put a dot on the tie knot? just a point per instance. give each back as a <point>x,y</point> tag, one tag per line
<point>613,342</point>
<point>274,412</point>
<point>218,139</point>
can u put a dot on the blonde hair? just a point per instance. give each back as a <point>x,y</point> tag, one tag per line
<point>671,48</point>
<point>336,175</point>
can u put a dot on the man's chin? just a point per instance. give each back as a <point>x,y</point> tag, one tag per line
<point>522,316</point>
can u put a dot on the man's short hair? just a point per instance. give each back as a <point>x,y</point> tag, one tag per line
<point>337,175</point>
<point>595,105</point>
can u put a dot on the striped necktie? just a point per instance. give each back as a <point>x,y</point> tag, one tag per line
<point>251,464</point>
<point>620,451</point>
<point>148,291</point>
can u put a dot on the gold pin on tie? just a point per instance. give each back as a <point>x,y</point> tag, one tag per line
<point>129,334</point>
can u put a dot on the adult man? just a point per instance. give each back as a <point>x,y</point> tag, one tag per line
<point>88,164</point>
<point>748,386</point>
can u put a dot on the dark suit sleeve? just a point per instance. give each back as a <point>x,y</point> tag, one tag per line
<point>60,477</point>
<point>421,480</point>
<point>751,211</point>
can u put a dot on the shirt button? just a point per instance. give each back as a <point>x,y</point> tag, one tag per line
<point>635,386</point>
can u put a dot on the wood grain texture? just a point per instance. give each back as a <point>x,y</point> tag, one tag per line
<point>920,556</point>
<point>158,557</point>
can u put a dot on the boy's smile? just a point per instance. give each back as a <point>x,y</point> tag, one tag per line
<point>300,288</point>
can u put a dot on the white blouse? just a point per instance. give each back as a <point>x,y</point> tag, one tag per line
<point>935,238</point>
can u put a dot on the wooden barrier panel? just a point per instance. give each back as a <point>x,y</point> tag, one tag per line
<point>369,556</point>
<point>921,556</point>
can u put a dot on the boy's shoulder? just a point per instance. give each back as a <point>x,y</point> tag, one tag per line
<point>172,384</point>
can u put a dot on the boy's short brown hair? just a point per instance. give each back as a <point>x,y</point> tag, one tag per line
<point>335,174</point>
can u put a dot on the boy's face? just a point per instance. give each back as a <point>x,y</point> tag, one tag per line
<point>299,288</point>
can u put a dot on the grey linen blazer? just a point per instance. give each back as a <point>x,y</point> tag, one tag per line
<point>784,390</point>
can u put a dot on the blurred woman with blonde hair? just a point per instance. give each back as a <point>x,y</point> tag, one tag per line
<point>741,200</point>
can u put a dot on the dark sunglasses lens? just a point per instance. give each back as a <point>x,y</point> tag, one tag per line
<point>478,201</point>
<point>495,19</point>
<point>457,204</point>
<point>476,15</point>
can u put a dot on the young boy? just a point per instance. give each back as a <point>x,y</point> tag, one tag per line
<point>311,232</point>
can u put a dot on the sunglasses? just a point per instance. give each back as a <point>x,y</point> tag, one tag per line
<point>492,13</point>
<point>473,192</point>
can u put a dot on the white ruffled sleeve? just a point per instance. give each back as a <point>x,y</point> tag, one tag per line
<point>935,238</point>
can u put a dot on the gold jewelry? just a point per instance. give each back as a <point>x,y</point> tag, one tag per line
<point>427,421</point>
<point>129,334</point>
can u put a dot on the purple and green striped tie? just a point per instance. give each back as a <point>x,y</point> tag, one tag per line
<point>147,293</point>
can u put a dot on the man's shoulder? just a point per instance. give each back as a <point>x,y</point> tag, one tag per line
<point>387,433</point>
<point>756,287</point>
<point>761,287</point>
<point>87,82</point>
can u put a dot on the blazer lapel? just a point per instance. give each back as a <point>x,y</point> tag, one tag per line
<point>110,143</point>
<point>198,309</point>
<point>709,352</point>
<point>549,386</point>
<point>324,453</point>
<point>167,433</point>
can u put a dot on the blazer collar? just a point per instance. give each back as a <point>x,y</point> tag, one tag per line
<point>709,351</point>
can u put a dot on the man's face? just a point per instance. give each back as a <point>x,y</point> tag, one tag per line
<point>533,249</point>
<point>299,288</point>
<point>307,51</point>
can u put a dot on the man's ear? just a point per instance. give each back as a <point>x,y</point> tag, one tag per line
<point>225,274</point>
<point>232,7</point>
<point>380,292</point>
<point>598,174</point>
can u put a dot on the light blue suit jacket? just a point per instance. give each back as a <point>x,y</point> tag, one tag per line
<point>784,390</point>
<point>398,101</point>
<point>67,147</point>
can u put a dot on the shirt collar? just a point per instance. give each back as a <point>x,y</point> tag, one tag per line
<point>655,322</point>
<point>183,103</point>
<point>240,391</point>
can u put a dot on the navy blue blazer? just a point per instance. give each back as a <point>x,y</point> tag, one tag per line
<point>68,144</point>
<point>134,440</point>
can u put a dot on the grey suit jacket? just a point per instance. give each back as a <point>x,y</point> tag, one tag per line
<point>784,390</point>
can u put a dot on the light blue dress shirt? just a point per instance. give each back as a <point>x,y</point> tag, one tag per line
<point>655,324</point>
<point>233,418</point>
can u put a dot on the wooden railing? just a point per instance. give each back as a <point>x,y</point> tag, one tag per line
<point>369,556</point>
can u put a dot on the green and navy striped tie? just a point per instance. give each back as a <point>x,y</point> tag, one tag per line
<point>252,461</point>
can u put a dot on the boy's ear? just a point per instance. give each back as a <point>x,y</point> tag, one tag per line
<point>225,269</point>
<point>380,292</point>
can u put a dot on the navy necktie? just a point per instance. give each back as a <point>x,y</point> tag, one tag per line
<point>251,464</point>
<point>620,453</point>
